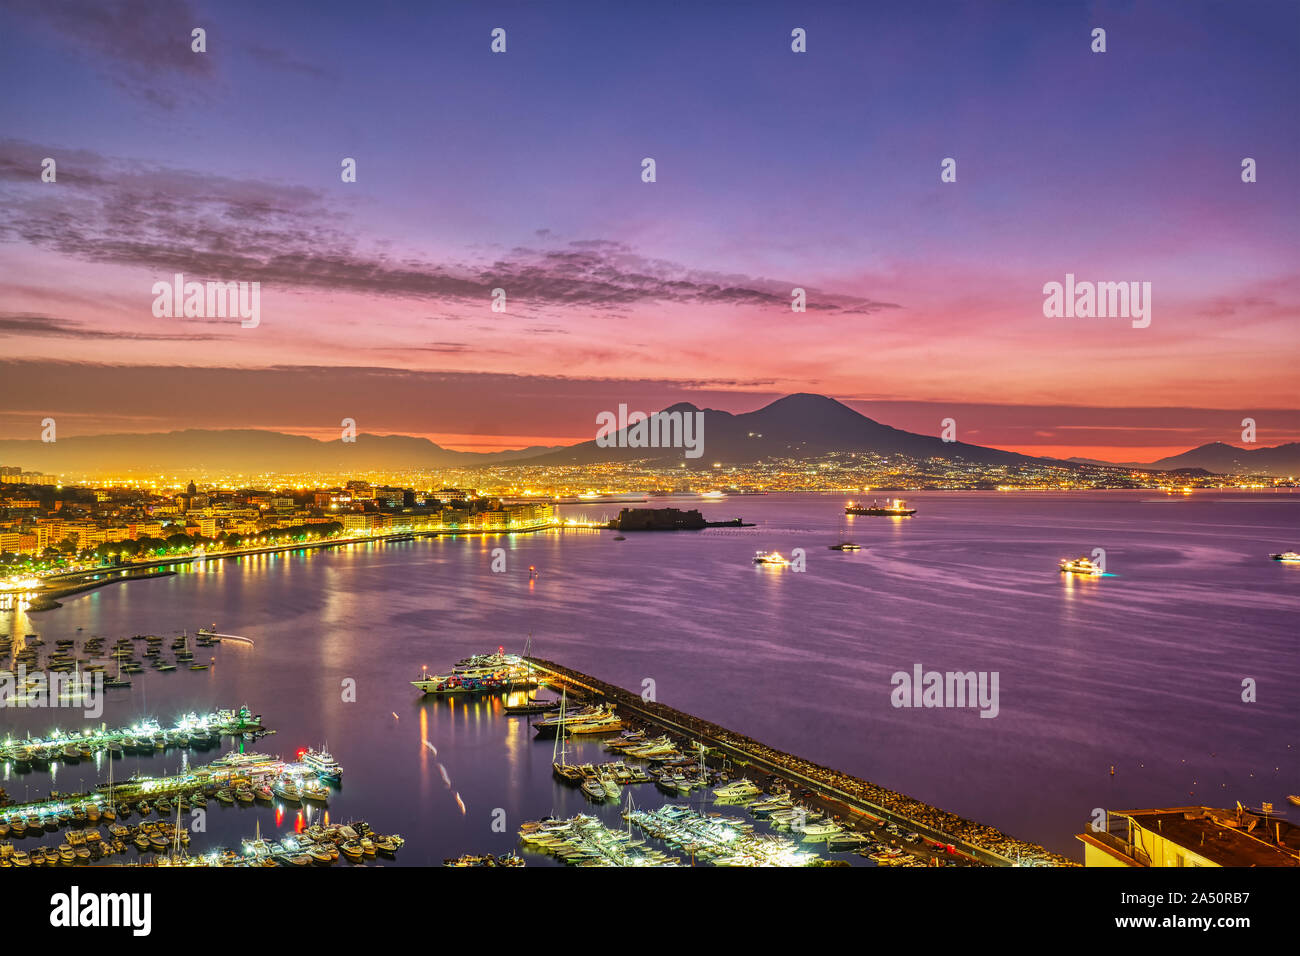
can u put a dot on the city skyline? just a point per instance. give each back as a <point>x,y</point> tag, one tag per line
<point>775,171</point>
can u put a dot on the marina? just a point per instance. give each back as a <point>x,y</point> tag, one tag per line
<point>193,731</point>
<point>858,803</point>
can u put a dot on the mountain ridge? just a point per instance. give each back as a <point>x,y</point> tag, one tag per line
<point>799,425</point>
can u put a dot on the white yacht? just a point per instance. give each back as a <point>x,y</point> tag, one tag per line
<point>323,763</point>
<point>1081,565</point>
<point>819,830</point>
<point>738,788</point>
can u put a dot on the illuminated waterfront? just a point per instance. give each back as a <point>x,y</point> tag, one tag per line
<point>798,660</point>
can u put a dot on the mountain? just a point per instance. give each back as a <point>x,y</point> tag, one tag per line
<point>797,426</point>
<point>1279,461</point>
<point>247,451</point>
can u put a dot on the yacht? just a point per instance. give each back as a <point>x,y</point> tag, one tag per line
<point>846,546</point>
<point>323,763</point>
<point>820,830</point>
<point>1289,557</point>
<point>1081,565</point>
<point>774,559</point>
<point>480,674</point>
<point>738,788</point>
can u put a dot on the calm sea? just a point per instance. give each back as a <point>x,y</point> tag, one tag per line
<point>1142,670</point>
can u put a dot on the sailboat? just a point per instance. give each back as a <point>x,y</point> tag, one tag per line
<point>109,815</point>
<point>559,750</point>
<point>530,704</point>
<point>118,681</point>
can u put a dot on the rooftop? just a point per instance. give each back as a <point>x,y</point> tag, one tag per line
<point>1226,837</point>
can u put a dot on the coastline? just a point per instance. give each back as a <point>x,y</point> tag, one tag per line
<point>47,598</point>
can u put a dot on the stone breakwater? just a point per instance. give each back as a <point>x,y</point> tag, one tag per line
<point>985,843</point>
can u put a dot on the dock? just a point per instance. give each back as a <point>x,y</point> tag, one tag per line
<point>850,796</point>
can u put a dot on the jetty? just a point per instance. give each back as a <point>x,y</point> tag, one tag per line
<point>851,796</point>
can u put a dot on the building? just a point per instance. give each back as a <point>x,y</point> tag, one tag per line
<point>1192,836</point>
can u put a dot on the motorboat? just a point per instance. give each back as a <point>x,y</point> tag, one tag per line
<point>743,787</point>
<point>1082,566</point>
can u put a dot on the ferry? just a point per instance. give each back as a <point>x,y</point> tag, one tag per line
<point>1289,557</point>
<point>323,763</point>
<point>1081,565</point>
<point>480,674</point>
<point>774,559</point>
<point>895,507</point>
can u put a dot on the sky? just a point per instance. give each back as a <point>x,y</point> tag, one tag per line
<point>775,170</point>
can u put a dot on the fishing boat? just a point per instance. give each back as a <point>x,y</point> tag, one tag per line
<point>593,788</point>
<point>314,792</point>
<point>285,789</point>
<point>1082,566</point>
<point>320,855</point>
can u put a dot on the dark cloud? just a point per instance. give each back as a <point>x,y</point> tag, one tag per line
<point>143,45</point>
<point>47,326</point>
<point>170,220</point>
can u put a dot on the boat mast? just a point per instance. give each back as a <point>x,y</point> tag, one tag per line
<point>559,735</point>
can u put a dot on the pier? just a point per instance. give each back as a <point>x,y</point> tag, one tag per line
<point>853,797</point>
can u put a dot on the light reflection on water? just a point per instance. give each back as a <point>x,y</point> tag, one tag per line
<point>1141,670</point>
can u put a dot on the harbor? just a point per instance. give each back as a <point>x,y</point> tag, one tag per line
<point>855,804</point>
<point>192,731</point>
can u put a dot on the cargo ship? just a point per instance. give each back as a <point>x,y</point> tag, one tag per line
<point>894,507</point>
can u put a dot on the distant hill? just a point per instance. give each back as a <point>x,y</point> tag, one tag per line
<point>1279,461</point>
<point>250,451</point>
<point>797,426</point>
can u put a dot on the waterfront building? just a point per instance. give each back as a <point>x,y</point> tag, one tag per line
<point>1192,836</point>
